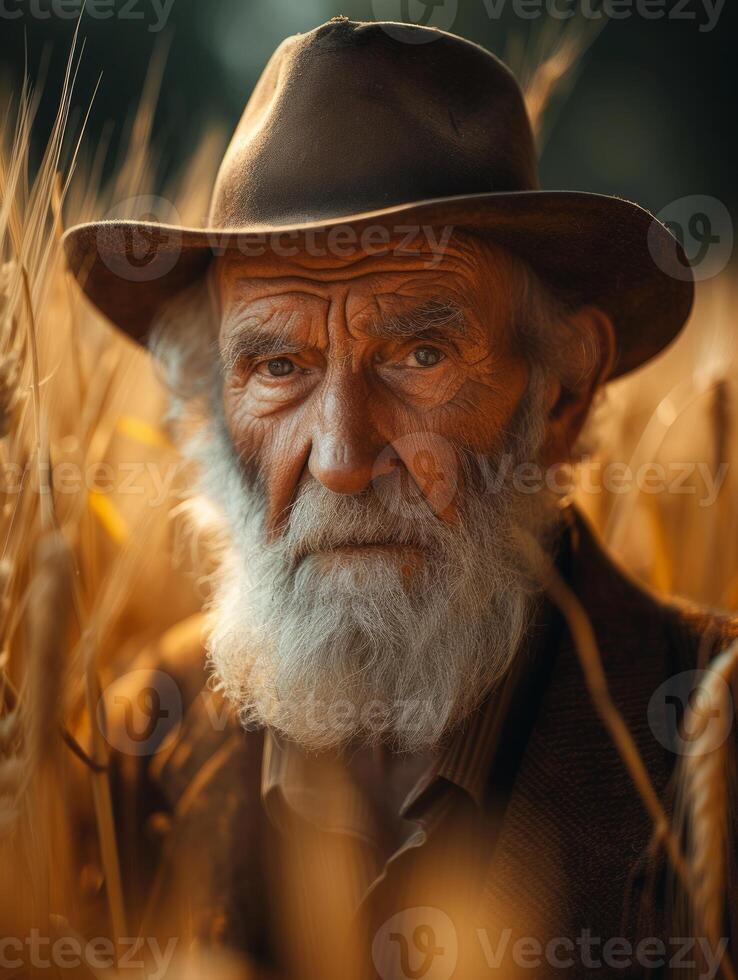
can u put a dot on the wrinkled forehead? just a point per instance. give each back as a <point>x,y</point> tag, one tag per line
<point>446,265</point>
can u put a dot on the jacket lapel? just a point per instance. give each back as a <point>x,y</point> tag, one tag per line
<point>575,834</point>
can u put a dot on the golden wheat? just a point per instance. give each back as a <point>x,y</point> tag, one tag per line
<point>87,580</point>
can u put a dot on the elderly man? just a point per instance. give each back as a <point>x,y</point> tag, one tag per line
<point>385,324</point>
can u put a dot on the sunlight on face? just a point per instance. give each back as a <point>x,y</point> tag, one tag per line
<point>353,576</point>
<point>325,368</point>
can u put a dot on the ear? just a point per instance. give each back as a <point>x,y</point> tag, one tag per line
<point>569,407</point>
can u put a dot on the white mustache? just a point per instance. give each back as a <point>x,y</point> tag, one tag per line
<point>323,521</point>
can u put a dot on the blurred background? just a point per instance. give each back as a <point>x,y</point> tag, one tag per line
<point>651,116</point>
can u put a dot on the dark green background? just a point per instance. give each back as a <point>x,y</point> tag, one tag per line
<point>652,116</point>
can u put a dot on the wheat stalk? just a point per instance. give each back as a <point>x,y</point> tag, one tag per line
<point>48,618</point>
<point>703,790</point>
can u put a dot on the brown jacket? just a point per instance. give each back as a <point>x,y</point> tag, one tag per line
<point>572,852</point>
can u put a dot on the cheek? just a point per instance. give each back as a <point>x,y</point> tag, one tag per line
<point>495,407</point>
<point>247,434</point>
<point>481,410</point>
<point>425,444</point>
<point>273,449</point>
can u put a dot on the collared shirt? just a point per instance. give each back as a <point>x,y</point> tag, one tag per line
<point>320,788</point>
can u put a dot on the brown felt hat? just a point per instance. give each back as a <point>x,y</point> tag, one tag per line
<point>356,130</point>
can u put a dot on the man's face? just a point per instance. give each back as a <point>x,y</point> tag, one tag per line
<point>374,558</point>
<point>327,368</point>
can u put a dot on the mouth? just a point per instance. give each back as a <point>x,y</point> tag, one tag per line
<point>369,547</point>
<point>363,549</point>
<point>361,557</point>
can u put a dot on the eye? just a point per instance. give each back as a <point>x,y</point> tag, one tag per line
<point>279,367</point>
<point>425,357</point>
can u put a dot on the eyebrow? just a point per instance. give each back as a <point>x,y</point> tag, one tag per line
<point>261,341</point>
<point>258,344</point>
<point>435,318</point>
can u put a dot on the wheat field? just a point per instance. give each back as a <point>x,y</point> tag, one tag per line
<point>97,567</point>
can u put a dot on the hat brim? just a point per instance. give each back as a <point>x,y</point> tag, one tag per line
<point>588,248</point>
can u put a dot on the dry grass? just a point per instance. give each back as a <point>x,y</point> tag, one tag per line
<point>705,805</point>
<point>82,565</point>
<point>88,578</point>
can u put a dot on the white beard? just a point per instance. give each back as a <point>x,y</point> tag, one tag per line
<point>328,648</point>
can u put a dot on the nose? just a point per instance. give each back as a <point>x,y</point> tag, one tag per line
<point>344,446</point>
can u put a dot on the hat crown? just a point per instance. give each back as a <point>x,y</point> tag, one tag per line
<point>354,117</point>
